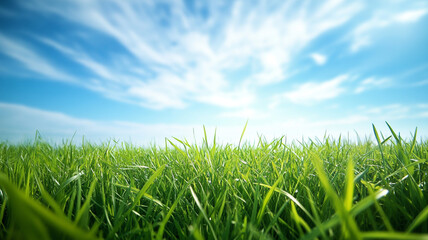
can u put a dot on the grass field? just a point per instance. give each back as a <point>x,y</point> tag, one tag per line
<point>325,189</point>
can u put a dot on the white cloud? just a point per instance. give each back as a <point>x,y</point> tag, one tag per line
<point>411,15</point>
<point>18,121</point>
<point>422,105</point>
<point>390,112</point>
<point>173,57</point>
<point>360,42</point>
<point>362,35</point>
<point>371,82</point>
<point>347,120</point>
<point>319,58</point>
<point>27,56</point>
<point>228,100</point>
<point>55,127</point>
<point>275,101</point>
<point>245,113</point>
<point>79,56</point>
<point>423,114</point>
<point>314,92</point>
<point>187,56</point>
<point>15,126</point>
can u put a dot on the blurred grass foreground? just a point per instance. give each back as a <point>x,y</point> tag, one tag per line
<point>323,189</point>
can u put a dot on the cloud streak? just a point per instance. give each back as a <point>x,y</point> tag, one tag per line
<point>319,59</point>
<point>56,126</point>
<point>371,82</point>
<point>411,15</point>
<point>362,35</point>
<point>276,62</point>
<point>182,56</point>
<point>27,56</point>
<point>313,92</point>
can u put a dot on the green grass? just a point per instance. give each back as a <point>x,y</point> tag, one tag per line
<point>325,189</point>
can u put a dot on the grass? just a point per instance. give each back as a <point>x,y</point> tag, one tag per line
<point>325,189</point>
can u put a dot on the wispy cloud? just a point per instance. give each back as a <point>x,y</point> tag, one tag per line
<point>411,15</point>
<point>422,105</point>
<point>362,35</point>
<point>372,82</point>
<point>245,113</point>
<point>175,56</point>
<point>24,54</point>
<point>319,58</point>
<point>57,126</point>
<point>314,92</point>
<point>390,111</point>
<point>162,55</point>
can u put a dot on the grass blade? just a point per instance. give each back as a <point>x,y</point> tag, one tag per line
<point>349,187</point>
<point>349,224</point>
<point>27,210</point>
<point>266,200</point>
<point>379,143</point>
<point>356,210</point>
<point>203,212</point>
<point>394,235</point>
<point>422,217</point>
<point>140,194</point>
<point>242,134</point>
<point>171,210</point>
<point>84,211</point>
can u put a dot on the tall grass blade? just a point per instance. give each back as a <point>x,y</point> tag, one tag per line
<point>84,211</point>
<point>27,210</point>
<point>177,148</point>
<point>379,143</point>
<point>203,212</point>
<point>349,224</point>
<point>292,198</point>
<point>171,210</point>
<point>394,236</point>
<point>242,134</point>
<point>140,194</point>
<point>266,200</point>
<point>349,189</point>
<point>421,218</point>
<point>413,141</point>
<point>356,210</point>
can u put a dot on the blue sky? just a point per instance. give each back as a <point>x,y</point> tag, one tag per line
<point>141,71</point>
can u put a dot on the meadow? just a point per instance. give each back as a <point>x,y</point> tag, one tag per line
<point>371,188</point>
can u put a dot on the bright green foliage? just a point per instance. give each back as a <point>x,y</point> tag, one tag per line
<point>325,189</point>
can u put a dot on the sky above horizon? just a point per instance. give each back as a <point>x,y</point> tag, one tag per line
<point>141,71</point>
